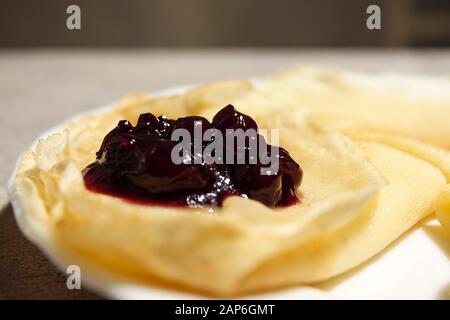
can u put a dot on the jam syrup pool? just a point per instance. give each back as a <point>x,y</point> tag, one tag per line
<point>135,164</point>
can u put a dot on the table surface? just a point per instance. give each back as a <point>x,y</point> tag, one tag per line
<point>41,88</point>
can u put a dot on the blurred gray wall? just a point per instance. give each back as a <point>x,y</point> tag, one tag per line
<point>194,23</point>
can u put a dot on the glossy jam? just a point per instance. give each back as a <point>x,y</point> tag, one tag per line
<point>134,163</point>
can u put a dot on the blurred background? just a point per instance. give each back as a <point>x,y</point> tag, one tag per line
<point>206,23</point>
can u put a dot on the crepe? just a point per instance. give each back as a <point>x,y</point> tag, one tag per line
<point>364,185</point>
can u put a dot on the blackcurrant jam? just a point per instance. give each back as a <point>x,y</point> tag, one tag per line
<point>135,163</point>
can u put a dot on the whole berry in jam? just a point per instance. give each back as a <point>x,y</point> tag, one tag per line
<point>230,118</point>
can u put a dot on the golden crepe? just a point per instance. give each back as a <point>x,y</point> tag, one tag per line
<point>373,167</point>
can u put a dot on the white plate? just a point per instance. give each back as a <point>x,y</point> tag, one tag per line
<point>416,266</point>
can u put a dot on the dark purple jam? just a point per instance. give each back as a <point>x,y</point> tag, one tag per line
<point>134,163</point>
